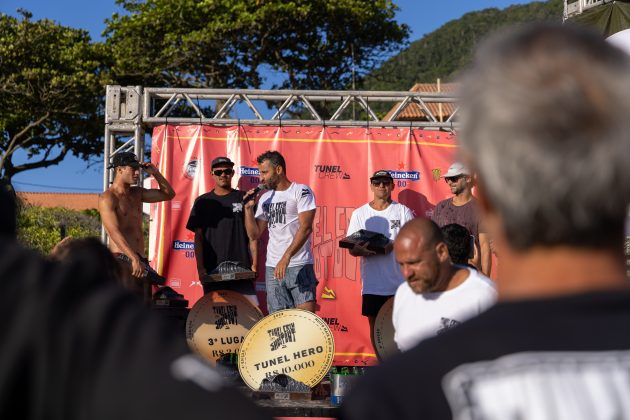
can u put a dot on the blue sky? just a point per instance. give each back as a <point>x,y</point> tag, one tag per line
<point>73,175</point>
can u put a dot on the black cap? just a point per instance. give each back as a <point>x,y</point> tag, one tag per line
<point>124,159</point>
<point>382,173</point>
<point>221,160</point>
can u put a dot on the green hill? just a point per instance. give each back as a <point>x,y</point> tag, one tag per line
<point>442,53</point>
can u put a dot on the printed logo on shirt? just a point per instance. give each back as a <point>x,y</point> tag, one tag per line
<point>226,315</point>
<point>446,324</point>
<point>559,385</point>
<point>394,224</point>
<point>330,172</point>
<point>190,170</point>
<point>276,213</point>
<point>237,207</point>
<point>305,192</point>
<point>281,335</point>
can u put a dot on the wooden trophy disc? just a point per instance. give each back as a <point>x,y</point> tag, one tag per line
<point>218,323</point>
<point>293,342</point>
<point>384,331</point>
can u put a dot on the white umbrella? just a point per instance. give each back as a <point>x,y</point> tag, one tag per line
<point>621,40</point>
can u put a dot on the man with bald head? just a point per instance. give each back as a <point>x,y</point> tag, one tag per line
<point>437,294</point>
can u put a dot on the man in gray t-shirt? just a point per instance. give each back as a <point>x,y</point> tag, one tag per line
<point>462,209</point>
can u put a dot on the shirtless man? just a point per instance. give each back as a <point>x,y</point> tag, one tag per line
<point>121,208</point>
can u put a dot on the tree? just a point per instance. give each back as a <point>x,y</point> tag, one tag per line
<point>41,228</point>
<point>226,43</point>
<point>447,50</point>
<point>50,93</point>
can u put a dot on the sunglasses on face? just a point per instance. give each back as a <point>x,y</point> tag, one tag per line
<point>219,172</point>
<point>453,178</point>
<point>384,182</point>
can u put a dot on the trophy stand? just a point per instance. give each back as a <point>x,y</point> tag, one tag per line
<point>285,360</point>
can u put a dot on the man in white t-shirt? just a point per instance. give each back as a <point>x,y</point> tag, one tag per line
<point>287,210</point>
<point>379,272</point>
<point>437,294</point>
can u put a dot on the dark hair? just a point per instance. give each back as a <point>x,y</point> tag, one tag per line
<point>458,241</point>
<point>275,158</point>
<point>90,250</point>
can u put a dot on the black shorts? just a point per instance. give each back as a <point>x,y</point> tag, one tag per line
<point>372,304</point>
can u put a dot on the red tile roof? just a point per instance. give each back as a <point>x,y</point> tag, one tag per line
<point>74,201</point>
<point>413,111</point>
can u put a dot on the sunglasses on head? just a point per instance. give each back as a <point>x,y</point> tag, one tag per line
<point>219,172</point>
<point>453,178</point>
<point>377,182</point>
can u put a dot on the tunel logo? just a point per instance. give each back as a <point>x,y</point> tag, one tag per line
<point>405,175</point>
<point>335,325</point>
<point>330,172</point>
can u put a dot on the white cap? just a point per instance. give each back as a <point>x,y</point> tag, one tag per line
<point>456,169</point>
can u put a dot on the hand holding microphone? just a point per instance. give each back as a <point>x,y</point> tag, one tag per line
<point>251,194</point>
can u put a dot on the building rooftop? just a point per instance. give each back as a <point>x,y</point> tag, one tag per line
<point>413,111</point>
<point>73,201</point>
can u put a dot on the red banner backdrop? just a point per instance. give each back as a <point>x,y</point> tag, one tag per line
<point>336,163</point>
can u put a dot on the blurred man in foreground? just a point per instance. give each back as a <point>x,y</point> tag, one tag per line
<point>545,125</point>
<point>77,346</point>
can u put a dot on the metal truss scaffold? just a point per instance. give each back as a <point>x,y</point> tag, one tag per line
<point>133,109</point>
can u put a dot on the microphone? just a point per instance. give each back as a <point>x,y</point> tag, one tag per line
<point>259,187</point>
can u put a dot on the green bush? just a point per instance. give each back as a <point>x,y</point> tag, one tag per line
<point>40,228</point>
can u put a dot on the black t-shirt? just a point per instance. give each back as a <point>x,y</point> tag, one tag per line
<point>222,220</point>
<point>555,358</point>
<point>74,345</point>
